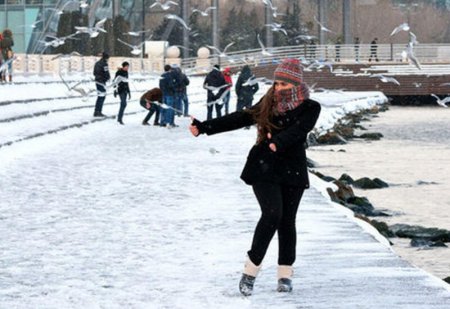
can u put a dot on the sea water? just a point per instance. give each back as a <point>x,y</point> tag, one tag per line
<point>413,157</point>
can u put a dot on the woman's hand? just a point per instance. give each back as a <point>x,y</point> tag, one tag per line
<point>194,130</point>
<point>272,146</point>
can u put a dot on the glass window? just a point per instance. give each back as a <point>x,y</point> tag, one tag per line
<point>33,2</point>
<point>50,1</point>
<point>14,2</point>
<point>2,20</point>
<point>16,22</point>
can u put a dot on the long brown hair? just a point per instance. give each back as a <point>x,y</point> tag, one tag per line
<point>263,115</point>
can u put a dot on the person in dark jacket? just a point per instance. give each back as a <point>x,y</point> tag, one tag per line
<point>101,74</point>
<point>122,89</point>
<point>245,92</point>
<point>6,45</point>
<point>168,86</point>
<point>150,101</point>
<point>214,83</point>
<point>373,50</point>
<point>276,165</point>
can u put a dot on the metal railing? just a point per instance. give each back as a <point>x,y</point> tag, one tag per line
<point>385,53</point>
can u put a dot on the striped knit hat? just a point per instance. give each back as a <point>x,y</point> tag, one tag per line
<point>289,71</point>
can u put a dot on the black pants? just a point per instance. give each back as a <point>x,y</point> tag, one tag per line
<point>101,96</point>
<point>209,114</point>
<point>153,109</point>
<point>279,204</point>
<point>123,105</point>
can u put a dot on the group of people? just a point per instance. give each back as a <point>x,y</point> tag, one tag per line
<point>6,55</point>
<point>170,99</point>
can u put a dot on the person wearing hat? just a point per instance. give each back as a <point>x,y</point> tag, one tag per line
<point>122,89</point>
<point>101,74</point>
<point>276,166</point>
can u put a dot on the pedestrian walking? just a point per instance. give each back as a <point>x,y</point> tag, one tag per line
<point>122,89</point>
<point>374,49</point>
<point>276,166</point>
<point>244,90</point>
<point>214,84</point>
<point>6,45</point>
<point>101,74</point>
<point>357,43</point>
<point>229,80</point>
<point>168,86</point>
<point>151,101</point>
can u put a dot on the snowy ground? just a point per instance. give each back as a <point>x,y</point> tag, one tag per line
<point>110,216</point>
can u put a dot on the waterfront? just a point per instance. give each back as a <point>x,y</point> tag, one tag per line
<point>414,158</point>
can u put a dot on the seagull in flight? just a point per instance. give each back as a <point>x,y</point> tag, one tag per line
<point>136,33</point>
<point>136,49</point>
<point>254,80</point>
<point>66,56</point>
<point>322,27</point>
<point>83,4</point>
<point>274,9</point>
<point>402,27</point>
<point>33,25</point>
<point>411,57</point>
<point>275,27</point>
<point>60,11</point>
<point>165,6</point>
<point>93,31</point>
<point>263,48</point>
<point>442,102</point>
<point>205,12</point>
<point>179,19</point>
<point>221,53</point>
<point>386,79</point>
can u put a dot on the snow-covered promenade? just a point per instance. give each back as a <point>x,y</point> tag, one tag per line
<point>109,216</point>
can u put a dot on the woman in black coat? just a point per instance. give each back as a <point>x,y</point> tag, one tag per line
<point>276,165</point>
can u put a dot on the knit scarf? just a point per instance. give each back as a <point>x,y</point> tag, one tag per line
<point>291,98</point>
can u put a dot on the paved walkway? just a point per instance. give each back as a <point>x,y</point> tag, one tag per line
<point>132,217</point>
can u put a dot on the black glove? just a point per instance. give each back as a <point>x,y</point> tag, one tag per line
<point>115,93</point>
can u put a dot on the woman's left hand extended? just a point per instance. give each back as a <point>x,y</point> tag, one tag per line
<point>272,146</point>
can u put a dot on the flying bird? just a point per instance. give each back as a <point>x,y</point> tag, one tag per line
<point>442,102</point>
<point>66,56</point>
<point>179,19</point>
<point>386,79</point>
<point>254,80</point>
<point>221,53</point>
<point>322,27</point>
<point>61,9</point>
<point>136,49</point>
<point>136,33</point>
<point>165,6</point>
<point>402,27</point>
<point>33,25</point>
<point>275,27</point>
<point>83,4</point>
<point>93,31</point>
<point>411,57</point>
<point>274,9</point>
<point>263,48</point>
<point>205,12</point>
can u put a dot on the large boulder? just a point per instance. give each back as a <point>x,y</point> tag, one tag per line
<point>367,183</point>
<point>425,243</point>
<point>416,231</point>
<point>374,136</point>
<point>331,138</point>
<point>345,178</point>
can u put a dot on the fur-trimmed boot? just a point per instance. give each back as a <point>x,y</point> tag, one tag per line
<point>285,273</point>
<point>248,278</point>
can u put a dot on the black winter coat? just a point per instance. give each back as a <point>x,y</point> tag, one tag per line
<point>122,87</point>
<point>101,71</point>
<point>245,93</point>
<point>288,164</point>
<point>168,83</point>
<point>215,79</point>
